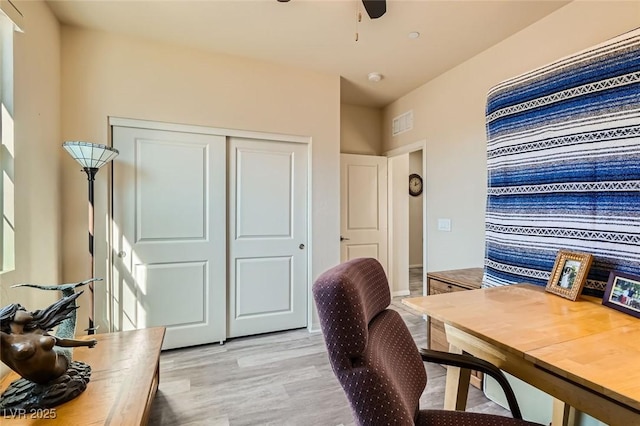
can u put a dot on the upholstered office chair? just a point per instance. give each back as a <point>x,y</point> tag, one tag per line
<point>375,358</point>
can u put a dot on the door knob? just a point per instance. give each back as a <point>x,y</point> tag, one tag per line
<point>343,238</point>
<point>122,254</point>
<point>301,246</point>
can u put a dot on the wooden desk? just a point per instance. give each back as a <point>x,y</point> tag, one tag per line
<point>579,352</point>
<point>124,380</point>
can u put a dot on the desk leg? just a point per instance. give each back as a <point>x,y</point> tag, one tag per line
<point>457,385</point>
<point>563,414</point>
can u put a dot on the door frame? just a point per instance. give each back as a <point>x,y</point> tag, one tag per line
<point>407,149</point>
<point>104,253</point>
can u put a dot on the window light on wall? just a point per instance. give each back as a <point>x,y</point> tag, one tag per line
<point>7,148</point>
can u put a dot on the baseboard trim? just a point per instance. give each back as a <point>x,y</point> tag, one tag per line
<point>314,329</point>
<point>400,293</point>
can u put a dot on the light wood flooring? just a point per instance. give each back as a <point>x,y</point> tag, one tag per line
<point>279,378</point>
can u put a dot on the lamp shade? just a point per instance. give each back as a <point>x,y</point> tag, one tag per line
<point>90,155</point>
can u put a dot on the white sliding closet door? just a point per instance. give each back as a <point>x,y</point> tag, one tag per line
<point>267,236</point>
<point>169,234</point>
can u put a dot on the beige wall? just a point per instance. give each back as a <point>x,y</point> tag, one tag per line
<point>107,75</point>
<point>37,159</point>
<point>449,114</point>
<point>360,130</point>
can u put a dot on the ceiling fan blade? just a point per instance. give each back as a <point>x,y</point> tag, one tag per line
<point>375,8</point>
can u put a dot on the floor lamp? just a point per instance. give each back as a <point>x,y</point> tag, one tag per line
<point>91,157</point>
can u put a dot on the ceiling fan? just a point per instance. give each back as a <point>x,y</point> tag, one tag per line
<point>375,8</point>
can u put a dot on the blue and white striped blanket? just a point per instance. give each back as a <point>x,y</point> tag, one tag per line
<point>563,160</point>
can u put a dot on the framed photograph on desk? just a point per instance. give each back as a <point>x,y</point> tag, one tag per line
<point>623,293</point>
<point>569,274</point>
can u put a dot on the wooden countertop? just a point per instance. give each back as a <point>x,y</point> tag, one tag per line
<point>124,379</point>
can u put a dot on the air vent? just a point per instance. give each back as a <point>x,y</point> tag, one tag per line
<point>402,123</point>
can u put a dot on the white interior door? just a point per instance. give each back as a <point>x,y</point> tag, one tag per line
<point>267,236</point>
<point>363,207</point>
<point>169,234</point>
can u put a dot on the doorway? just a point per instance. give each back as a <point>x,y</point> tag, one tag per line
<point>380,219</point>
<point>416,226</point>
<point>407,217</point>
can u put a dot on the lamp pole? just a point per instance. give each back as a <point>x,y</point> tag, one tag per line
<point>91,177</point>
<point>91,156</point>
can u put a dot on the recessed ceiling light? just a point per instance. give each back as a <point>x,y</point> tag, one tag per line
<point>414,34</point>
<point>375,77</point>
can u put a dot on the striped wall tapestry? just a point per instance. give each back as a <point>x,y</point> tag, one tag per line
<point>563,160</point>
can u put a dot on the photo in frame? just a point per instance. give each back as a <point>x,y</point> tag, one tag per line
<point>623,293</point>
<point>569,274</point>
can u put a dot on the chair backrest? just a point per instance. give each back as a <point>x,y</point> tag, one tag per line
<point>370,348</point>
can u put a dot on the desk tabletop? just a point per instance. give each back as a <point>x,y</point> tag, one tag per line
<point>601,362</point>
<point>520,317</point>
<point>583,341</point>
<point>123,369</point>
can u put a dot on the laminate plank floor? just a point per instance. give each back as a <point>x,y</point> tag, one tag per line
<point>281,378</point>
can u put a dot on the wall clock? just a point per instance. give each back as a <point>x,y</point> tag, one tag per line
<point>415,184</point>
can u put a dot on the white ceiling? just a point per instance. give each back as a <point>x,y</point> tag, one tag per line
<point>320,34</point>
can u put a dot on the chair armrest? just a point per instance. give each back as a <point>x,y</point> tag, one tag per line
<point>473,363</point>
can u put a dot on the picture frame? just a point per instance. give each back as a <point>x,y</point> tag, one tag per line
<point>623,293</point>
<point>569,274</point>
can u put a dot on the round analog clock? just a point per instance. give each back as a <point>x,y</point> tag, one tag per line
<point>415,184</point>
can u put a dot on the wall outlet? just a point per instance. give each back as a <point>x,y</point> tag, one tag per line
<point>444,225</point>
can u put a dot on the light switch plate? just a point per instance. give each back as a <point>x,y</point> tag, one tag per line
<point>444,225</point>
